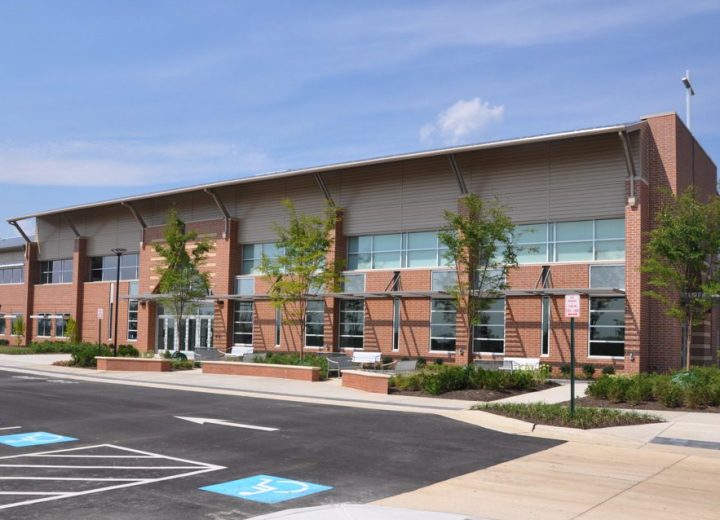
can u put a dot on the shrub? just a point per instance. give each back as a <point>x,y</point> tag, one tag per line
<point>310,360</point>
<point>83,355</point>
<point>617,392</point>
<point>421,362</point>
<point>179,356</point>
<point>640,389</point>
<point>588,370</point>
<point>446,380</point>
<point>439,361</point>
<point>565,370</point>
<point>438,379</point>
<point>127,351</point>
<point>182,364</point>
<point>668,393</point>
<point>409,382</point>
<point>4,342</point>
<point>608,370</point>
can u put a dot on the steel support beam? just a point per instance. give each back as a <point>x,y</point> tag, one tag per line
<point>135,214</point>
<point>20,230</point>
<point>222,208</point>
<point>629,164</point>
<point>70,223</point>
<point>458,175</point>
<point>323,187</point>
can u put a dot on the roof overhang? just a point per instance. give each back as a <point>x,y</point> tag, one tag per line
<point>625,127</point>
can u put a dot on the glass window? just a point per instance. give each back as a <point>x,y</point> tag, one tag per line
<point>397,250</point>
<point>2,325</point>
<point>315,323</point>
<point>444,281</point>
<point>352,323</point>
<point>489,333</point>
<point>252,255</point>
<point>44,325</point>
<point>11,274</point>
<point>607,327</point>
<point>245,286</point>
<point>572,231</point>
<point>243,323</point>
<point>396,324</point>
<point>545,326</point>
<point>132,334</point>
<point>354,283</point>
<point>278,325</point>
<point>573,251</point>
<point>443,317</point>
<point>104,268</point>
<point>607,276</point>
<point>609,250</point>
<point>56,271</point>
<point>610,229</point>
<point>60,325</point>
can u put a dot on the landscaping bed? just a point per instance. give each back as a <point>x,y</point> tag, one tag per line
<point>644,405</point>
<point>559,415</point>
<point>473,394</point>
<point>44,347</point>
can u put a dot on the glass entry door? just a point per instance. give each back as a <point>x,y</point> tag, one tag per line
<point>198,333</point>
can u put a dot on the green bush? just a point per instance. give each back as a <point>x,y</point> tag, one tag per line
<point>600,389</point>
<point>309,360</point>
<point>4,342</point>
<point>447,379</point>
<point>565,370</point>
<point>640,389</point>
<point>617,392</point>
<point>127,351</point>
<point>83,354</point>
<point>182,364</point>
<point>588,370</point>
<point>608,370</point>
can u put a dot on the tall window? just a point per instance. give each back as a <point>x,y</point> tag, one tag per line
<point>278,326</point>
<point>104,268</point>
<point>56,271</point>
<point>243,323</point>
<point>395,250</point>
<point>132,332</point>
<point>11,274</point>
<point>252,256</point>
<point>44,325</point>
<point>2,325</point>
<point>315,323</point>
<point>607,327</point>
<point>245,285</point>
<point>61,325</point>
<point>396,325</point>
<point>545,326</point>
<point>443,328</point>
<point>489,334</point>
<point>580,241</point>
<point>352,323</point>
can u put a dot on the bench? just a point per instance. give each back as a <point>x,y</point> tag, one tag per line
<point>254,357</point>
<point>510,364</point>
<point>337,363</point>
<point>364,358</point>
<point>407,366</point>
<point>238,352</point>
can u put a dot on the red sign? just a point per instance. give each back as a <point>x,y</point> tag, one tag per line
<point>572,305</point>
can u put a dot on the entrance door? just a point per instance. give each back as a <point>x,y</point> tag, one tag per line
<point>198,333</point>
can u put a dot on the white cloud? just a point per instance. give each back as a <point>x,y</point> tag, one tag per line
<point>125,163</point>
<point>462,121</point>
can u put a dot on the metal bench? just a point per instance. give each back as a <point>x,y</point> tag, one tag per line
<point>406,366</point>
<point>238,351</point>
<point>364,358</point>
<point>511,364</point>
<point>337,363</point>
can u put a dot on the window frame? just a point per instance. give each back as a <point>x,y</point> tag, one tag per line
<point>12,269</point>
<point>132,323</point>
<point>404,252</point>
<point>112,269</point>
<point>48,273</point>
<point>591,326</point>
<point>308,311</point>
<point>236,310</point>
<point>454,325</point>
<point>543,299</point>
<point>396,324</point>
<point>341,322</point>
<point>46,320</point>
<point>475,337</point>
<point>255,260</point>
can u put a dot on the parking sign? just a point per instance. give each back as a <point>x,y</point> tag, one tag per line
<point>572,305</point>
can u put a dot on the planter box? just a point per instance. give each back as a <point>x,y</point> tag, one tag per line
<point>133,364</point>
<point>233,368</point>
<point>366,381</point>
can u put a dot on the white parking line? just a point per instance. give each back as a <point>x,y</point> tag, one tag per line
<point>187,469</point>
<point>11,428</point>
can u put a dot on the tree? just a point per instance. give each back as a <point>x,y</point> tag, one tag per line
<point>72,332</point>
<point>18,329</point>
<point>479,243</point>
<point>302,268</point>
<point>182,283</point>
<point>681,260</point>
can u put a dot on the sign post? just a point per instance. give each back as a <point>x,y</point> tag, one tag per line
<point>572,311</point>
<point>100,314</point>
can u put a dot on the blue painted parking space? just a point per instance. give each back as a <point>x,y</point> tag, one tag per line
<point>266,489</point>
<point>21,440</point>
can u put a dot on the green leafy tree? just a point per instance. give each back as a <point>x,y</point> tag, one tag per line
<point>18,329</point>
<point>302,269</point>
<point>182,282</point>
<point>681,260</point>
<point>72,331</point>
<point>479,243</point>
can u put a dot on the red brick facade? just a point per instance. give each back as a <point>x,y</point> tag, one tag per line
<point>671,158</point>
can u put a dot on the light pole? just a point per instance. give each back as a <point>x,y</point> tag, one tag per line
<point>689,92</point>
<point>119,251</point>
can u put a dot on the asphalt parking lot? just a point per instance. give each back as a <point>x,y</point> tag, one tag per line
<point>72,450</point>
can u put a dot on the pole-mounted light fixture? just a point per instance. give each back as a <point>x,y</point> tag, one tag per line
<point>118,251</point>
<point>689,92</point>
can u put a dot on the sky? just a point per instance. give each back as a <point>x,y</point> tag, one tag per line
<point>102,99</point>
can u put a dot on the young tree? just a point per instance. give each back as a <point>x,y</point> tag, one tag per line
<point>18,329</point>
<point>479,243</point>
<point>182,282</point>
<point>302,270</point>
<point>681,260</point>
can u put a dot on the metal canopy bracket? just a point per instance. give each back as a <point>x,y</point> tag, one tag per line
<point>20,230</point>
<point>458,175</point>
<point>323,187</point>
<point>70,223</point>
<point>630,165</point>
<point>135,213</point>
<point>222,208</point>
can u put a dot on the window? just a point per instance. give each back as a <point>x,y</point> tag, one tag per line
<point>607,327</point>
<point>392,251</point>
<point>132,332</point>
<point>396,325</point>
<point>252,255</point>
<point>56,271</point>
<point>489,334</point>
<point>352,323</point>
<point>245,285</point>
<point>545,326</point>
<point>580,241</point>
<point>44,325</point>
<point>443,314</point>
<point>278,326</point>
<point>315,323</point>
<point>2,325</point>
<point>607,276</point>
<point>104,268</point>
<point>11,274</point>
<point>354,283</point>
<point>61,325</point>
<point>443,281</point>
<point>243,323</point>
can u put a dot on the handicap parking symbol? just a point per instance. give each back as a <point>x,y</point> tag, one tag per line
<point>20,440</point>
<point>266,489</point>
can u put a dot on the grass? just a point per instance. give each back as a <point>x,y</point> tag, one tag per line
<point>559,415</point>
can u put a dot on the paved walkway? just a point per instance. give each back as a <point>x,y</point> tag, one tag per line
<point>664,470</point>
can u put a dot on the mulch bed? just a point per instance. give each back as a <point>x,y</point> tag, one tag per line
<point>645,405</point>
<point>471,395</point>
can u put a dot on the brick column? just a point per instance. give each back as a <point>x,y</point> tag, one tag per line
<point>338,251</point>
<point>80,271</point>
<point>463,344</point>
<point>227,265</point>
<point>31,271</point>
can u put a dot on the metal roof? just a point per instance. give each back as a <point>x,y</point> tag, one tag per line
<point>623,127</point>
<point>13,243</point>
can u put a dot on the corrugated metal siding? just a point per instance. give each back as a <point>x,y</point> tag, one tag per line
<point>12,257</point>
<point>191,207</point>
<point>114,227</point>
<point>429,188</point>
<point>55,238</point>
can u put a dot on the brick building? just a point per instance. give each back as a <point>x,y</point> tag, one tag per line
<point>583,202</point>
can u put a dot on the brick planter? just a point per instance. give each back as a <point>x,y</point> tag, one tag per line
<point>232,368</point>
<point>133,364</point>
<point>366,381</point>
